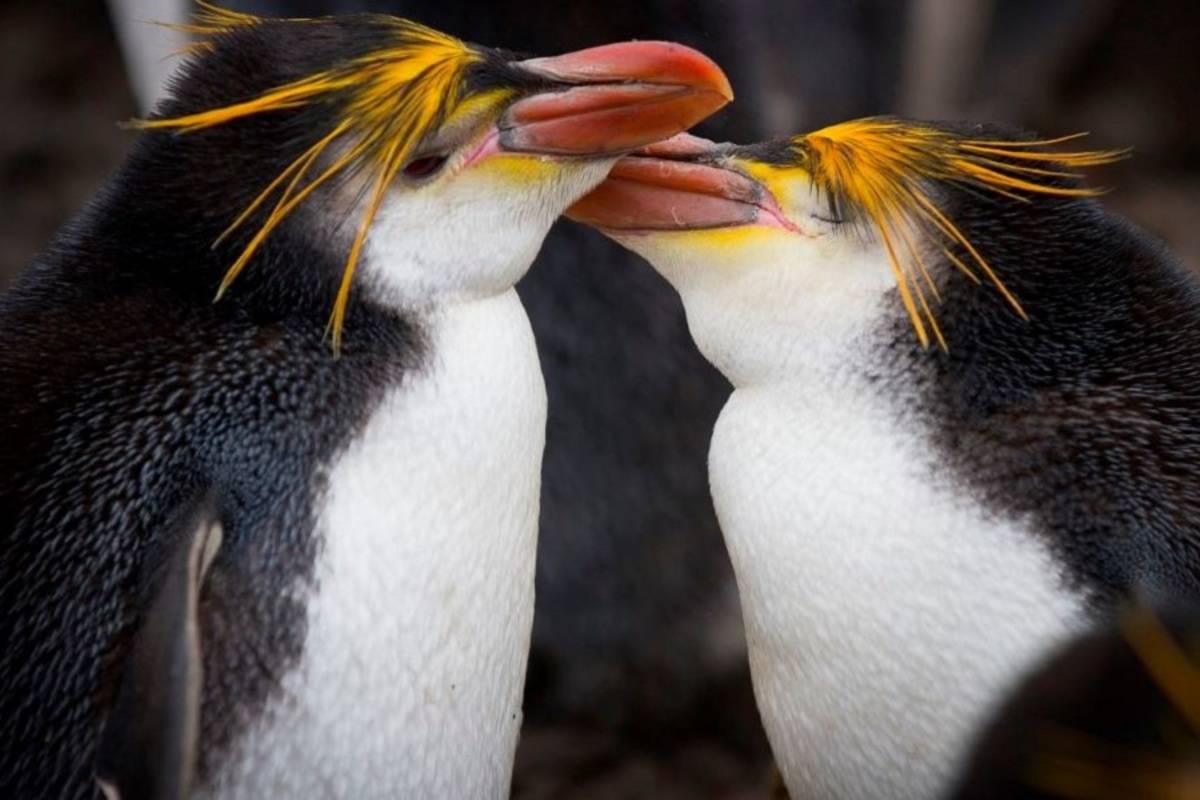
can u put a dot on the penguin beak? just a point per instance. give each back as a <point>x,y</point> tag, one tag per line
<point>678,184</point>
<point>613,99</point>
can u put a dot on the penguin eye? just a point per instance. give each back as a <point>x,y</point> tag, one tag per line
<point>832,212</point>
<point>828,220</point>
<point>424,166</point>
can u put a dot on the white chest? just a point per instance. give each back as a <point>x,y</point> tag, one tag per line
<point>885,613</point>
<point>418,631</point>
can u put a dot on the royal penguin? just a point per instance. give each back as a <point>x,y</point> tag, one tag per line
<point>282,543</point>
<point>965,420</point>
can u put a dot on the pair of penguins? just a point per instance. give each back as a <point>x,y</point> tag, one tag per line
<point>230,551</point>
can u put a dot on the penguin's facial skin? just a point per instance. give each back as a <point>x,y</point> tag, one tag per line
<point>465,153</point>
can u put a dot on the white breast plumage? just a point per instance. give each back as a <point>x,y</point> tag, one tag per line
<point>885,612</point>
<point>418,630</point>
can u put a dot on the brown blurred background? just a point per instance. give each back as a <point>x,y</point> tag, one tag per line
<point>1126,71</point>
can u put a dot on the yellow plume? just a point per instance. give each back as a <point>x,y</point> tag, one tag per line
<point>384,104</point>
<point>882,168</point>
<point>209,21</point>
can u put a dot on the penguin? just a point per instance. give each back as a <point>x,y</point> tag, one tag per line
<point>964,420</point>
<point>282,543</point>
<point>1112,714</point>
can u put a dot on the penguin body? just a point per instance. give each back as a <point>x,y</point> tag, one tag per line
<point>913,528</point>
<point>440,669</point>
<point>903,611</point>
<point>363,625</point>
<point>105,440</point>
<point>884,608</point>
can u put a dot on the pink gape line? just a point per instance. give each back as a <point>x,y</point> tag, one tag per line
<point>488,147</point>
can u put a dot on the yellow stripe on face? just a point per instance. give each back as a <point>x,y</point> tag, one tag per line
<point>772,176</point>
<point>734,246</point>
<point>731,238</point>
<point>519,169</point>
<point>476,105</point>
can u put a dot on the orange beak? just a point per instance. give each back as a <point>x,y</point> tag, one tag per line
<point>613,99</point>
<point>660,189</point>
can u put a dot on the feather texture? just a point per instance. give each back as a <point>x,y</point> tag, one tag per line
<point>885,172</point>
<point>382,106</point>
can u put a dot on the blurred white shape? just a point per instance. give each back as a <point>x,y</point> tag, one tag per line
<point>149,48</point>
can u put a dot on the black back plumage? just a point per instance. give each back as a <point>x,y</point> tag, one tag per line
<point>124,391</point>
<point>1085,419</point>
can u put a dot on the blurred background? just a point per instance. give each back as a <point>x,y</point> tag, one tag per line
<point>1126,70</point>
<point>638,684</point>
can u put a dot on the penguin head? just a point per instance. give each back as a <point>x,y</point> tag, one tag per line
<point>435,165</point>
<point>812,239</point>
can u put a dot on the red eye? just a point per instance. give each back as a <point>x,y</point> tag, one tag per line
<point>424,167</point>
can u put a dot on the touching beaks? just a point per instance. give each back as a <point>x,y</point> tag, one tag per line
<point>677,184</point>
<point>617,98</point>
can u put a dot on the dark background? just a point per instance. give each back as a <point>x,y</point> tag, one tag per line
<point>1127,72</point>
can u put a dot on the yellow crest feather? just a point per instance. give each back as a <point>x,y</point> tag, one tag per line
<point>210,20</point>
<point>387,102</point>
<point>882,168</point>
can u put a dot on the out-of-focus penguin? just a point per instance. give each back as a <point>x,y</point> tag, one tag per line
<point>1112,715</point>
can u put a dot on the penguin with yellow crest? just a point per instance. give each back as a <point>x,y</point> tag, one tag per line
<point>964,422</point>
<point>281,544</point>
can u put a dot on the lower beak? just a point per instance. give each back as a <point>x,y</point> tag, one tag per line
<point>654,191</point>
<point>615,98</point>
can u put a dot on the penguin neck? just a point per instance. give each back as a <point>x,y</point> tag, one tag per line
<point>424,265</point>
<point>471,237</point>
<point>762,313</point>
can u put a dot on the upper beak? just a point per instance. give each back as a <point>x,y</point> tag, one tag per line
<point>618,97</point>
<point>656,190</point>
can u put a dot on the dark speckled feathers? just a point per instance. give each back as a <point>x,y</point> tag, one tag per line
<point>1084,419</point>
<point>99,447</point>
<point>124,391</point>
